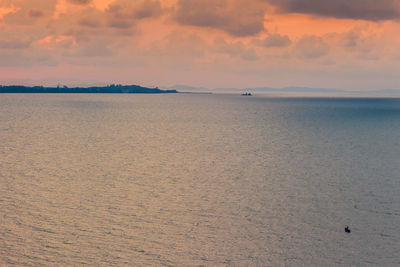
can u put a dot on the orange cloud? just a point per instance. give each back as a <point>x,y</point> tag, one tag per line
<point>235,17</point>
<point>80,2</point>
<point>296,25</point>
<point>4,10</point>
<point>51,41</point>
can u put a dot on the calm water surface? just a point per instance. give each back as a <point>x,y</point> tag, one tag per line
<point>189,180</point>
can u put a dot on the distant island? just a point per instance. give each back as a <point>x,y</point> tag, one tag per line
<point>109,89</point>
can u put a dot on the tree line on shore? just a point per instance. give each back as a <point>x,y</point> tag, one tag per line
<point>109,89</point>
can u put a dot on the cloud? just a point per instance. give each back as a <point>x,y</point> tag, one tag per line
<point>124,14</point>
<point>121,23</point>
<point>80,2</point>
<point>361,44</point>
<point>310,47</point>
<point>350,39</point>
<point>89,22</point>
<point>14,44</point>
<point>236,17</point>
<point>27,12</point>
<point>148,9</point>
<point>371,10</point>
<point>35,13</point>
<point>276,40</point>
<point>53,42</point>
<point>94,49</point>
<point>235,49</point>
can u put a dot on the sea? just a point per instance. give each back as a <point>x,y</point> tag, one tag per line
<point>199,180</point>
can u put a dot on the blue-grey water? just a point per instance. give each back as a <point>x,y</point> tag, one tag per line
<point>198,180</point>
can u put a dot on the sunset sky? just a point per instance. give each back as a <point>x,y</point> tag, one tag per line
<point>346,44</point>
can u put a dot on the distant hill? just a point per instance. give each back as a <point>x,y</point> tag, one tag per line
<point>291,89</point>
<point>109,89</point>
<point>294,89</point>
<point>325,91</point>
<point>384,92</point>
<point>186,88</point>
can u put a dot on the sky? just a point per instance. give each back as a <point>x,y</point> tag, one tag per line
<point>344,44</point>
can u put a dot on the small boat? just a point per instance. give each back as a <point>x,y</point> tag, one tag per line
<point>347,230</point>
<point>246,94</point>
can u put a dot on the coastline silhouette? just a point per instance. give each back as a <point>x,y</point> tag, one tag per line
<point>109,89</point>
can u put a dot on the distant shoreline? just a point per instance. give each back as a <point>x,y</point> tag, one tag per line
<point>109,89</point>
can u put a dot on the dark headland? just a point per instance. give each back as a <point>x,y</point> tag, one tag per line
<point>109,89</point>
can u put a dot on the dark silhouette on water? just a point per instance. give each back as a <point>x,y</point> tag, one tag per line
<point>246,94</point>
<point>109,89</point>
<point>347,229</point>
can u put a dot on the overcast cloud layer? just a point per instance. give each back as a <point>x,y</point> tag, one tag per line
<point>343,9</point>
<point>210,43</point>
